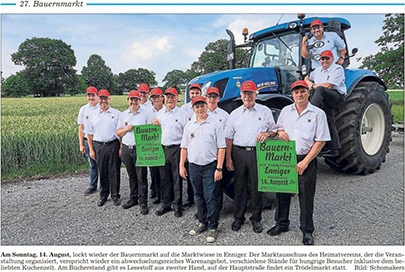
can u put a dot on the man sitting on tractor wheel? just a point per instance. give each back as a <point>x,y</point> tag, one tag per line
<point>328,89</point>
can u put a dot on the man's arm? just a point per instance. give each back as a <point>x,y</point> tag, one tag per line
<point>313,152</point>
<point>304,50</point>
<point>81,139</point>
<point>90,142</point>
<point>220,162</point>
<point>182,168</point>
<point>229,162</point>
<point>342,54</point>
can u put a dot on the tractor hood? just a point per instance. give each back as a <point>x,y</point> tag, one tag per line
<point>228,82</point>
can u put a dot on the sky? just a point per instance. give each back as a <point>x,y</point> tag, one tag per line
<point>158,42</point>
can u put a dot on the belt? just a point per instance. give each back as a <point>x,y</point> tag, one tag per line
<point>105,143</point>
<point>85,138</point>
<point>170,146</point>
<point>247,148</point>
<point>130,146</point>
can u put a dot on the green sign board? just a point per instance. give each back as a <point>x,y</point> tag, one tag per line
<point>276,163</point>
<point>149,151</point>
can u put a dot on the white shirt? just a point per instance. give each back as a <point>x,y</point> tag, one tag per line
<point>332,42</point>
<point>153,112</point>
<point>202,141</point>
<point>172,123</point>
<point>244,125</point>
<point>335,75</point>
<point>220,116</point>
<point>147,105</point>
<point>84,114</point>
<point>103,125</point>
<point>188,109</point>
<point>128,118</point>
<point>305,129</point>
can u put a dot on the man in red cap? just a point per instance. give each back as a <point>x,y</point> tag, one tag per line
<point>172,120</point>
<point>331,41</point>
<point>143,89</point>
<point>138,181</point>
<point>307,126</point>
<point>156,96</point>
<point>194,90</point>
<point>82,118</point>
<point>104,147</point>
<point>203,144</point>
<point>328,89</point>
<point>248,124</point>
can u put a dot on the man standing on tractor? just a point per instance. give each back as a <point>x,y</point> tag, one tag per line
<point>328,89</point>
<point>331,41</point>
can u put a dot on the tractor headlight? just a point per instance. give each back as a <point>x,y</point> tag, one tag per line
<point>292,25</point>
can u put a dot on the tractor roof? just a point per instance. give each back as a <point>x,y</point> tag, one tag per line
<point>285,26</point>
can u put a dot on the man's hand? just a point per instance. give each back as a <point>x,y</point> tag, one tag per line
<point>301,166</point>
<point>261,137</point>
<point>340,61</point>
<point>229,164</point>
<point>155,122</point>
<point>82,149</point>
<point>283,135</point>
<point>217,175</point>
<point>129,128</point>
<point>183,172</point>
<point>93,154</point>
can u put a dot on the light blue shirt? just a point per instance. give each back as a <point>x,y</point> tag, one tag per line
<point>335,75</point>
<point>84,114</point>
<point>332,42</point>
<point>128,118</point>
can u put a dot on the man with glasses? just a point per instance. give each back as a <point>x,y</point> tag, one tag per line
<point>143,90</point>
<point>328,89</point>
<point>133,116</point>
<point>104,147</point>
<point>331,41</point>
<point>82,118</point>
<point>172,120</point>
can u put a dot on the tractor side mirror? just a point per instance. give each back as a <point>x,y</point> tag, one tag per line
<point>354,51</point>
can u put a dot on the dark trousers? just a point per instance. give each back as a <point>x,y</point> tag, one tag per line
<point>138,179</point>
<point>306,194</point>
<point>246,183</point>
<point>206,193</point>
<point>109,163</point>
<point>155,181</point>
<point>190,191</point>
<point>93,171</point>
<point>328,100</point>
<point>171,186</point>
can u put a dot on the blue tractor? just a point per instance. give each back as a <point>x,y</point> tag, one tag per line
<point>363,119</point>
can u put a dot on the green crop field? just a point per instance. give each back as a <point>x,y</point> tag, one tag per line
<point>39,135</point>
<point>397,101</point>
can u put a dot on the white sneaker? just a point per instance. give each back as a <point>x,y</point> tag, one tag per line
<point>200,228</point>
<point>212,235</point>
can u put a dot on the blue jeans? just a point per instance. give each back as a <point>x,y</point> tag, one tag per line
<point>207,193</point>
<point>93,171</point>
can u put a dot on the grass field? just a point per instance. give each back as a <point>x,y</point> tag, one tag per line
<point>39,135</point>
<point>397,101</point>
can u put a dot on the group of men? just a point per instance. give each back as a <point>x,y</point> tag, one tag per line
<point>199,140</point>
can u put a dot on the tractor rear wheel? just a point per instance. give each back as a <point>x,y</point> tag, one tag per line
<point>364,125</point>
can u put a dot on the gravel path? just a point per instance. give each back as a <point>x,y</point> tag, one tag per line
<point>349,210</point>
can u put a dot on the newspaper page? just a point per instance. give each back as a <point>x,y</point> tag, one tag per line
<point>48,224</point>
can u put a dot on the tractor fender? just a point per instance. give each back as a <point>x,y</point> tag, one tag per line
<point>354,77</point>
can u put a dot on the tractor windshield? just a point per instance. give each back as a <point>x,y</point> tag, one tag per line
<point>277,51</point>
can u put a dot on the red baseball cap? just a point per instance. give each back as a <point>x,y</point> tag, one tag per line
<point>212,90</point>
<point>316,22</point>
<point>143,88</point>
<point>195,86</point>
<point>103,92</point>
<point>156,91</point>
<point>134,93</point>
<point>199,99</point>
<point>172,91</point>
<point>248,86</point>
<point>299,83</point>
<point>91,89</point>
<point>326,53</point>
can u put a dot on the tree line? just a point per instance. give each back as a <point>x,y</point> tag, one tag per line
<point>49,66</point>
